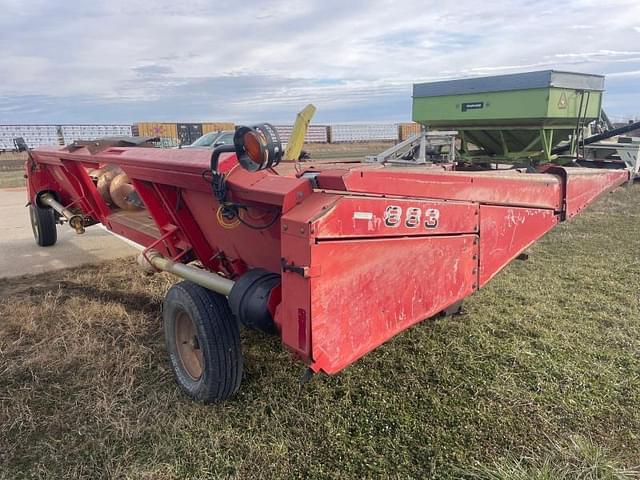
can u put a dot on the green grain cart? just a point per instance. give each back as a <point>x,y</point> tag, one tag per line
<point>512,117</point>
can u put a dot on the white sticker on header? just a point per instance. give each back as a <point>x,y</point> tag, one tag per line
<point>363,215</point>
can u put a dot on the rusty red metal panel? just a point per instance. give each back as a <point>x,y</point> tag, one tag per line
<point>51,177</point>
<point>86,196</point>
<point>293,315</point>
<point>505,232</point>
<point>265,187</point>
<point>308,212</point>
<point>181,179</point>
<point>170,166</point>
<point>244,246</point>
<point>493,187</point>
<point>369,290</point>
<point>135,235</point>
<point>359,216</point>
<point>386,248</point>
<point>583,185</point>
<point>173,202</point>
<point>162,218</point>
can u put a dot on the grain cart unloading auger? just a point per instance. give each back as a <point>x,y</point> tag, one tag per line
<point>335,258</point>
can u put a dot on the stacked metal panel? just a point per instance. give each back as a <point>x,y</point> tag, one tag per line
<point>167,132</point>
<point>36,135</point>
<point>216,127</point>
<point>70,133</point>
<point>408,129</point>
<point>315,133</point>
<point>33,135</point>
<point>363,132</point>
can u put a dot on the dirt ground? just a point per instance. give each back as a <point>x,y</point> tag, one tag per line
<point>19,254</point>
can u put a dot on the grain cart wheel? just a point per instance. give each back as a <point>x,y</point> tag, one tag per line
<point>43,224</point>
<point>203,341</point>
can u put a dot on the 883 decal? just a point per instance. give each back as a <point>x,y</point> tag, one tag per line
<point>413,217</point>
<point>431,218</point>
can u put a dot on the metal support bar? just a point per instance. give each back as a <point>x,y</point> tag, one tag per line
<point>534,142</point>
<point>421,140</point>
<point>75,220</point>
<point>503,143</point>
<point>546,136</point>
<point>209,280</point>
<point>422,151</point>
<point>452,149</point>
<point>601,136</point>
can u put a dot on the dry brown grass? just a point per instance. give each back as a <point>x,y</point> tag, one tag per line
<point>13,157</point>
<point>547,353</point>
<point>12,179</point>
<point>11,169</point>
<point>74,346</point>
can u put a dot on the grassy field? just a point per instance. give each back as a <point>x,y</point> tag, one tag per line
<point>11,169</point>
<point>11,156</point>
<point>11,179</point>
<point>538,379</point>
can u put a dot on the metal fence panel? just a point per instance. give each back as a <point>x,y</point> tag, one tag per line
<point>315,133</point>
<point>33,135</point>
<point>36,135</point>
<point>70,133</point>
<point>363,132</point>
<point>408,129</point>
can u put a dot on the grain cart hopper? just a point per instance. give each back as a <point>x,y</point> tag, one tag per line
<point>512,117</point>
<point>335,258</point>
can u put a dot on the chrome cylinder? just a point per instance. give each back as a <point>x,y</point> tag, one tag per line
<point>209,280</point>
<point>75,220</point>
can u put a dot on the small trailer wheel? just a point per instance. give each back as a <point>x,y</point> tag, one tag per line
<point>43,224</point>
<point>203,341</point>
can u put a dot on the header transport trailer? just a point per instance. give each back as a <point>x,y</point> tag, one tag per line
<point>335,257</point>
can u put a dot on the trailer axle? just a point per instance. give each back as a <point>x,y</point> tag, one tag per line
<point>252,297</point>
<point>209,280</point>
<point>75,221</point>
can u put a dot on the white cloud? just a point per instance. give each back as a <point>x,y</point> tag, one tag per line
<point>598,54</point>
<point>631,73</point>
<point>345,55</point>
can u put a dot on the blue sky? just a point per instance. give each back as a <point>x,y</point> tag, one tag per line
<point>119,61</point>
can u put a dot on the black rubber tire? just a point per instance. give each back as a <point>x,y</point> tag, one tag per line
<point>43,225</point>
<point>218,338</point>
